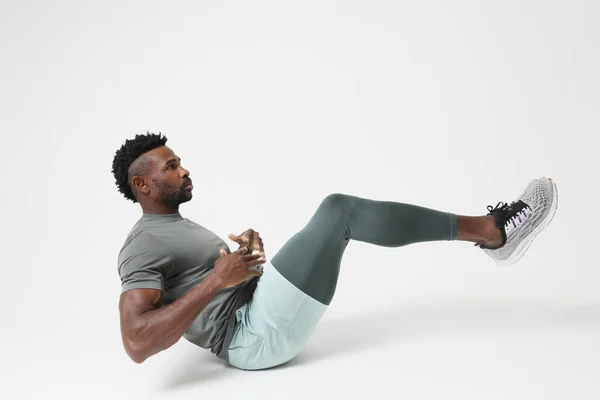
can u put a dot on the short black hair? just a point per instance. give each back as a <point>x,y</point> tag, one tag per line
<point>130,156</point>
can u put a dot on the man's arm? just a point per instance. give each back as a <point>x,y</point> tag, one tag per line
<point>148,328</point>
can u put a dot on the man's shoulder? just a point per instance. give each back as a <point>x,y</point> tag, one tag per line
<point>141,237</point>
<point>133,233</point>
<point>140,240</point>
<point>142,248</point>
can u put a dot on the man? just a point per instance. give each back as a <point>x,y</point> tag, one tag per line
<point>181,280</point>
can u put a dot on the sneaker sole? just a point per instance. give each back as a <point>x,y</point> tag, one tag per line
<point>526,242</point>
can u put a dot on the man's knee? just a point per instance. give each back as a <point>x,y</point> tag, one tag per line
<point>338,202</point>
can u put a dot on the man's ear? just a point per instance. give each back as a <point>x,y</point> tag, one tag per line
<point>139,184</point>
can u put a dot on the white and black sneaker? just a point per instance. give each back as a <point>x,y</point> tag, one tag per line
<point>522,220</point>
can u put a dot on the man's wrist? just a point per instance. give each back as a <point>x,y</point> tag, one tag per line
<point>216,281</point>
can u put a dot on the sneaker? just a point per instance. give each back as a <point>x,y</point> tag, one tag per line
<point>522,220</point>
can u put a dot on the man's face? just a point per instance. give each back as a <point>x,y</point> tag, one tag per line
<point>168,180</point>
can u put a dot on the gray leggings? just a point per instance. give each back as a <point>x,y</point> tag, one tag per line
<point>311,258</point>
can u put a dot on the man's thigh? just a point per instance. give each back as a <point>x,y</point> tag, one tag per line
<point>273,327</point>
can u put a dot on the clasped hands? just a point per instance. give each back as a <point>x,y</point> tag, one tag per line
<point>251,240</point>
<point>233,269</point>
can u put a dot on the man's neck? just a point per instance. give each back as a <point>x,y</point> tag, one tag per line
<point>159,209</point>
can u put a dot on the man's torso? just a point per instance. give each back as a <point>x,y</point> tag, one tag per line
<point>174,254</point>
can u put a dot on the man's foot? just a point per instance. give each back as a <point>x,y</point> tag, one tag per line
<point>522,220</point>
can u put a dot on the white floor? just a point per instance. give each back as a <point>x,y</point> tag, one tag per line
<point>452,106</point>
<point>453,344</point>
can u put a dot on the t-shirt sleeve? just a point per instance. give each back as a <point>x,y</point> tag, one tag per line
<point>143,262</point>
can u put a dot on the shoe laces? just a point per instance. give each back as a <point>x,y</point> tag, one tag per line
<point>511,213</point>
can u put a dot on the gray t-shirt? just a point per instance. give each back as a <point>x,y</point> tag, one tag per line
<point>173,254</point>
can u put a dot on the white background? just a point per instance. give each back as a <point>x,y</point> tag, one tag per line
<point>272,105</point>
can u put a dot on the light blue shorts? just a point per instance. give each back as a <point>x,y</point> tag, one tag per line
<point>274,325</point>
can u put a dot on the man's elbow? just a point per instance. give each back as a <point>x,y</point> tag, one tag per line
<point>135,351</point>
<point>137,358</point>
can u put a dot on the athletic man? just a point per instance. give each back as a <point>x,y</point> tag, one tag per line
<point>180,279</point>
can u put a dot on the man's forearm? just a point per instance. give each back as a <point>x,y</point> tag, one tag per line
<point>157,330</point>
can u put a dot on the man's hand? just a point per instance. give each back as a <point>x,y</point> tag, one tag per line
<point>233,269</point>
<point>250,239</point>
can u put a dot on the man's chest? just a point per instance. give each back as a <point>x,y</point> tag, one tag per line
<point>194,248</point>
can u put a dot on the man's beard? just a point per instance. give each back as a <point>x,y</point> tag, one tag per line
<point>172,197</point>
